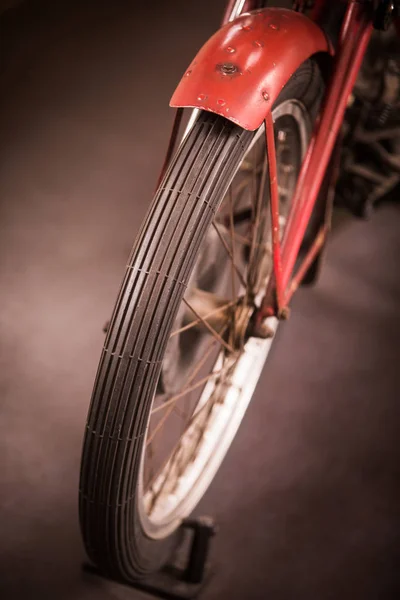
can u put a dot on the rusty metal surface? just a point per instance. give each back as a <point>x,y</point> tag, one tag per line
<point>241,70</point>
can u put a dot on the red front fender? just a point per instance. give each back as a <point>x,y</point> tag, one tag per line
<point>241,70</point>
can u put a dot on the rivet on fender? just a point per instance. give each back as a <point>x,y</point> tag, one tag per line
<point>228,68</point>
<point>265,95</point>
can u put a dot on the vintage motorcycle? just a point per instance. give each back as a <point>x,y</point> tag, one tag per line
<point>239,220</point>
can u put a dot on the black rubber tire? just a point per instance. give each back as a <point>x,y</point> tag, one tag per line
<point>157,273</point>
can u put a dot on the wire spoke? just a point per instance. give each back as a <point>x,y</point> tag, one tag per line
<point>170,403</point>
<point>192,374</point>
<point>233,263</point>
<point>201,363</point>
<point>249,168</point>
<point>228,251</point>
<point>207,316</point>
<point>247,242</point>
<point>190,388</point>
<point>209,327</point>
<point>231,229</point>
<point>258,194</point>
<point>210,402</point>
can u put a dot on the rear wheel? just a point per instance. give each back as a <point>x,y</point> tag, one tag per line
<point>181,358</point>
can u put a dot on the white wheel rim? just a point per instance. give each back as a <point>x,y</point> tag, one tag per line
<point>223,422</point>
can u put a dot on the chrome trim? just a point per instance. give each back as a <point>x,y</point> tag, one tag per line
<point>236,10</point>
<point>190,123</point>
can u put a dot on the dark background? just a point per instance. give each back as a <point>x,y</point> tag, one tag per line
<point>307,500</point>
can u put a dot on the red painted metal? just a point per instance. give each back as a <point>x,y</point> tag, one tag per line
<point>261,51</point>
<point>348,21</point>
<point>355,35</point>
<point>239,74</point>
<point>274,202</point>
<point>321,147</point>
<point>247,6</point>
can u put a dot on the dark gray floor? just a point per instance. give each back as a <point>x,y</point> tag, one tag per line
<point>307,499</point>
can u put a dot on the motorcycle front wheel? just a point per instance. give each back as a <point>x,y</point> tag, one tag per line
<point>181,358</point>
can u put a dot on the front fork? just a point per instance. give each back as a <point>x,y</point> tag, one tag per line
<point>355,34</point>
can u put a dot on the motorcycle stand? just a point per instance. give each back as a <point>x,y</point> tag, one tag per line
<point>190,571</point>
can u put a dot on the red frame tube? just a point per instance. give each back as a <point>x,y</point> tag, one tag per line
<point>274,202</point>
<point>354,38</point>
